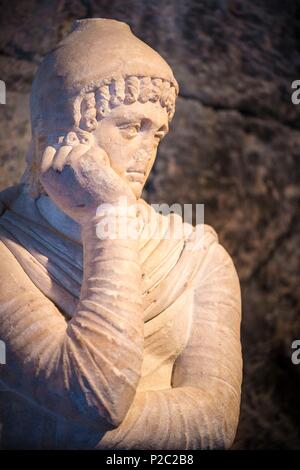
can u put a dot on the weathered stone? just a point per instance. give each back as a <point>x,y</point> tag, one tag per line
<point>113,315</point>
<point>237,129</point>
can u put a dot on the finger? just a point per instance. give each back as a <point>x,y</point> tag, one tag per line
<point>76,153</point>
<point>86,138</point>
<point>71,139</point>
<point>47,158</point>
<point>60,157</point>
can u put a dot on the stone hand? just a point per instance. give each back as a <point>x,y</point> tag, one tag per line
<point>77,175</point>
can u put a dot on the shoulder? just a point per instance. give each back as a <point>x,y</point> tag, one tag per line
<point>13,278</point>
<point>21,302</point>
<point>216,279</point>
<point>215,259</point>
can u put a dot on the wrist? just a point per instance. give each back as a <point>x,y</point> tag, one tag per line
<point>112,222</point>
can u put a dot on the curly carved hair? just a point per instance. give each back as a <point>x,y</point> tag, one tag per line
<point>93,105</point>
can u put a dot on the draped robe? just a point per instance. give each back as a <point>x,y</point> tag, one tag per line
<point>180,276</point>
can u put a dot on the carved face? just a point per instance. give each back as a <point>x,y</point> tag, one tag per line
<point>130,135</point>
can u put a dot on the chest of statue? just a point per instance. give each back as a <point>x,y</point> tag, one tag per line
<point>166,335</point>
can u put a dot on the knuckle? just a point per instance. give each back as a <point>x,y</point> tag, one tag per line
<point>71,139</point>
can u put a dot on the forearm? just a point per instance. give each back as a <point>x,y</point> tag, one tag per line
<point>107,330</point>
<point>178,418</point>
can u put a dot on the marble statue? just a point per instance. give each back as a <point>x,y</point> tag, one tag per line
<point>111,342</point>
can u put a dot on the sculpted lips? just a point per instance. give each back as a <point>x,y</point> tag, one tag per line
<point>136,174</point>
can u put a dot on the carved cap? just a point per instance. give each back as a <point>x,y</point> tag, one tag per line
<point>96,50</point>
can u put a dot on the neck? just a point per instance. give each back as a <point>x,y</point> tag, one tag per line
<point>61,221</point>
<point>58,219</point>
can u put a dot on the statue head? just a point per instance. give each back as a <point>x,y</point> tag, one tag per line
<point>102,80</point>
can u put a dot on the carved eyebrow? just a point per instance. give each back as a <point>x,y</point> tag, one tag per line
<point>147,123</point>
<point>125,124</point>
<point>142,122</point>
<point>123,121</point>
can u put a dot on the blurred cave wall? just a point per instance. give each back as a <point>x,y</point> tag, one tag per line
<point>234,145</point>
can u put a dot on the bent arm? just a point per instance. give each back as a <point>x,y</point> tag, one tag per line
<point>201,410</point>
<point>87,369</point>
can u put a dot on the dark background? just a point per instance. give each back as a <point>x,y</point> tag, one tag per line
<point>234,145</point>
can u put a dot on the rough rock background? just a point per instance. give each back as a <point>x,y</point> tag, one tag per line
<point>234,146</point>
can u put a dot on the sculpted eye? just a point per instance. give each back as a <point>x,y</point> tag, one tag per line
<point>130,130</point>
